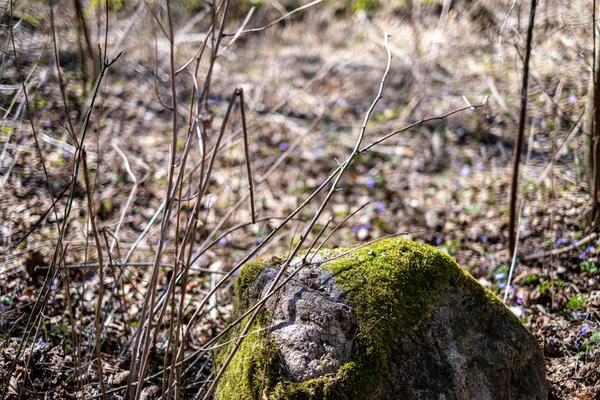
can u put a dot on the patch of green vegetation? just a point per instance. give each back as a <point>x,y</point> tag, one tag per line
<point>54,330</point>
<point>576,302</point>
<point>545,285</point>
<point>393,284</point>
<point>594,339</point>
<point>531,279</point>
<point>451,246</point>
<point>107,205</point>
<point>589,267</point>
<point>29,19</point>
<point>366,5</point>
<point>6,132</point>
<point>473,208</point>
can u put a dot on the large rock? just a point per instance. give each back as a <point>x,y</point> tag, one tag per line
<point>394,320</point>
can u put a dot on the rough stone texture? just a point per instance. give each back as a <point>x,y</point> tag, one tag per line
<point>313,328</point>
<point>397,320</point>
<point>462,352</point>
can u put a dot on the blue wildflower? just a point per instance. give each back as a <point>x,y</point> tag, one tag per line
<point>283,146</point>
<point>439,241</point>
<point>499,276</point>
<point>501,285</point>
<point>223,240</point>
<point>589,249</point>
<point>355,228</point>
<point>368,226</point>
<point>380,206</point>
<point>370,183</point>
<point>584,330</point>
<point>465,171</point>
<point>582,256</point>
<point>484,239</point>
<point>480,166</point>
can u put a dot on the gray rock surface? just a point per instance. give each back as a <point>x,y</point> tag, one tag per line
<point>312,327</point>
<point>396,321</point>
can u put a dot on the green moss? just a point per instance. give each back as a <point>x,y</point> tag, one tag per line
<point>393,284</point>
<point>29,19</point>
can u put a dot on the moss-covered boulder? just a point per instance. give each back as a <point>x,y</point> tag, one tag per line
<point>394,320</point>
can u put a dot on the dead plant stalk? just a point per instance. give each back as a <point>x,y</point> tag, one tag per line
<point>520,133</point>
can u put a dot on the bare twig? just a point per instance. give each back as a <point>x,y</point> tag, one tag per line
<point>277,20</point>
<point>92,213</point>
<point>520,132</point>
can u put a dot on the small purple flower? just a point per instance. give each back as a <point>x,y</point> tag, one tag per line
<point>582,256</point>
<point>465,171</point>
<point>370,183</point>
<point>520,299</point>
<point>259,240</point>
<point>43,343</point>
<point>53,286</point>
<point>2,308</point>
<point>480,166</point>
<point>491,259</point>
<point>380,206</point>
<point>589,249</point>
<point>368,226</point>
<point>499,276</point>
<point>223,240</point>
<point>355,228</point>
<point>66,155</point>
<point>484,239</point>
<point>448,149</point>
<point>47,123</point>
<point>501,285</point>
<point>559,242</point>
<point>572,98</point>
<point>584,330</point>
<point>283,146</point>
<point>439,241</point>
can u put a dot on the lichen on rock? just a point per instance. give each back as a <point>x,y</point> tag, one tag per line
<point>395,319</point>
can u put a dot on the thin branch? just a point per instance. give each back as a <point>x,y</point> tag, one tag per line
<point>520,133</point>
<point>277,20</point>
<point>240,92</point>
<point>92,213</point>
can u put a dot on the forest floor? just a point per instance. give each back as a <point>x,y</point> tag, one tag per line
<point>308,82</point>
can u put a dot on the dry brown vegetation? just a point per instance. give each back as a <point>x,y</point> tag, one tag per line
<point>308,82</point>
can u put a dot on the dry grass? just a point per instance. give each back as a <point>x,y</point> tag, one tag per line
<point>308,82</point>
